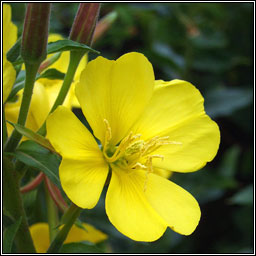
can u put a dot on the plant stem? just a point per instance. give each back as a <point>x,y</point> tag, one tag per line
<point>75,57</point>
<point>71,215</point>
<point>31,71</point>
<point>56,195</point>
<point>33,184</point>
<point>52,213</point>
<point>12,202</point>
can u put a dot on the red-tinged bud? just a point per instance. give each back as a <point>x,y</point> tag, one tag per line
<point>35,32</point>
<point>103,25</point>
<point>49,62</point>
<point>84,24</point>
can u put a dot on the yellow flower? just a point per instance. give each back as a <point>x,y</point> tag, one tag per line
<point>9,76</point>
<point>9,38</point>
<point>9,29</point>
<point>38,111</point>
<point>45,92</point>
<point>41,239</point>
<point>143,125</point>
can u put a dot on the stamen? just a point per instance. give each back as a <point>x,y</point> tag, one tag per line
<point>125,143</point>
<point>135,147</point>
<point>156,143</point>
<point>132,152</point>
<point>150,168</point>
<point>108,134</point>
<point>142,166</point>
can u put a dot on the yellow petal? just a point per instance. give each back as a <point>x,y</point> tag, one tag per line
<point>40,236</point>
<point>69,136</point>
<point>127,208</point>
<point>174,204</point>
<point>200,140</point>
<point>163,173</point>
<point>11,110</point>
<point>172,103</point>
<point>9,76</point>
<point>83,170</point>
<point>117,91</point>
<point>39,107</point>
<point>38,110</point>
<point>9,29</point>
<point>53,86</point>
<point>91,234</point>
<point>176,110</point>
<point>83,180</point>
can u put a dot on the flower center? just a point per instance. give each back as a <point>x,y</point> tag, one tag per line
<point>132,152</point>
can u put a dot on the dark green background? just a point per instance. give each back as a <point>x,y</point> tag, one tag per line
<point>211,46</point>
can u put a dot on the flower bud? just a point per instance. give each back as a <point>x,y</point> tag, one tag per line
<point>84,24</point>
<point>103,25</point>
<point>35,32</point>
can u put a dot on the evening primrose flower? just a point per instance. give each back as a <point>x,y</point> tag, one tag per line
<point>10,37</point>
<point>38,111</point>
<point>9,76</point>
<point>40,235</point>
<point>9,29</point>
<point>143,125</point>
<point>45,91</point>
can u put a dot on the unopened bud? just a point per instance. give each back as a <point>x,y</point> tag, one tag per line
<point>84,24</point>
<point>35,32</point>
<point>104,24</point>
<point>49,61</point>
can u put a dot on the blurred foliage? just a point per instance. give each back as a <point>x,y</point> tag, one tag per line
<point>210,45</point>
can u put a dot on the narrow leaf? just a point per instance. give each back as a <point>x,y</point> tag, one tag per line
<point>16,88</point>
<point>68,45</point>
<point>52,74</point>
<point>14,52</point>
<point>9,235</point>
<point>61,46</point>
<point>19,84</point>
<point>33,136</point>
<point>34,155</point>
<point>243,196</point>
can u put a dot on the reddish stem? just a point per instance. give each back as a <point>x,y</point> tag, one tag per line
<point>33,184</point>
<point>56,195</point>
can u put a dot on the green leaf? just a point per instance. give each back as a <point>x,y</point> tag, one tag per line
<point>61,46</point>
<point>229,162</point>
<point>82,247</point>
<point>14,52</point>
<point>52,74</point>
<point>68,45</point>
<point>9,235</point>
<point>224,101</point>
<point>34,155</point>
<point>33,136</point>
<point>243,197</point>
<point>19,84</point>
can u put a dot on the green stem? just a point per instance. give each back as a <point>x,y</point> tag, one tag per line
<point>12,203</point>
<point>75,58</point>
<point>31,71</point>
<point>71,215</point>
<point>52,213</point>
